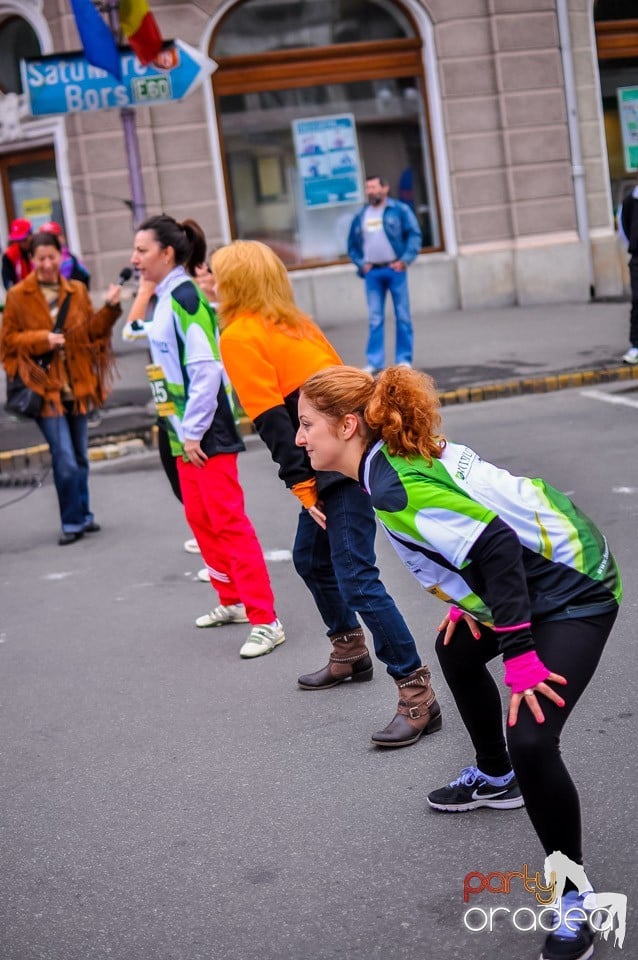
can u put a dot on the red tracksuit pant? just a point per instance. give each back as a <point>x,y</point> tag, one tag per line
<point>214,507</point>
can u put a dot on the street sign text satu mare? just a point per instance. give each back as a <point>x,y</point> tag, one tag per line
<point>68,83</point>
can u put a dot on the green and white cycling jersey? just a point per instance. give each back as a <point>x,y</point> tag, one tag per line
<point>190,387</point>
<point>433,513</point>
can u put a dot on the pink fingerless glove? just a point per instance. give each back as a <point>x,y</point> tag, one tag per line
<point>525,671</point>
<point>455,614</point>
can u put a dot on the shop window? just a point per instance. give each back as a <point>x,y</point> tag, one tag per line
<point>305,113</point>
<point>617,42</point>
<point>17,40</point>
<point>30,186</point>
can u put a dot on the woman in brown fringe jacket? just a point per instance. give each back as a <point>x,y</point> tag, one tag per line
<point>71,369</point>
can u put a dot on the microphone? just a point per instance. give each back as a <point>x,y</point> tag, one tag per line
<point>125,275</point>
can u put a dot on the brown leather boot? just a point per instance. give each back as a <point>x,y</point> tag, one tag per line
<point>417,712</point>
<point>349,660</point>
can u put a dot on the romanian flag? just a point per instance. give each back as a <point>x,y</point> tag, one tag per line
<point>96,38</point>
<point>140,29</point>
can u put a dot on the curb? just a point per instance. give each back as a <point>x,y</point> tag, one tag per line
<point>26,467</point>
<point>20,467</point>
<point>544,384</point>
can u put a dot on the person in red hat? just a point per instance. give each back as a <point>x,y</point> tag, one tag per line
<point>16,260</point>
<point>72,267</point>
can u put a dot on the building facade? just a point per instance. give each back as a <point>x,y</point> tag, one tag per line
<point>485,115</point>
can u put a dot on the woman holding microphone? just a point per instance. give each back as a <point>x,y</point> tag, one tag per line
<point>193,398</point>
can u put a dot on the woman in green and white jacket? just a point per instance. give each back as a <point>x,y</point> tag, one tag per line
<point>527,576</point>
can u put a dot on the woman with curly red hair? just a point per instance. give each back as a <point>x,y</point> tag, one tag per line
<point>527,574</point>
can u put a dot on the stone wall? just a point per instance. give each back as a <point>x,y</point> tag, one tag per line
<point>510,159</point>
<point>506,133</point>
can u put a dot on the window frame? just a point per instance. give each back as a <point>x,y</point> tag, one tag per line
<point>617,39</point>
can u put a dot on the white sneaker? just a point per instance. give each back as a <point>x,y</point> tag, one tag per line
<point>373,371</point>
<point>203,575</point>
<point>190,546</point>
<point>263,639</point>
<point>631,356</point>
<point>221,615</point>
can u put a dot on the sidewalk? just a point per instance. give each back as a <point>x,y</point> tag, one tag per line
<point>472,355</point>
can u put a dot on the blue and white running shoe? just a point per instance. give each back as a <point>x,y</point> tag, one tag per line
<point>573,938</point>
<point>472,790</point>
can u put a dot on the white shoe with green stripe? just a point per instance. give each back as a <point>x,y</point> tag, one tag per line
<point>262,639</point>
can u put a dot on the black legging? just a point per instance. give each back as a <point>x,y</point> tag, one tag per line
<point>169,461</point>
<point>568,647</point>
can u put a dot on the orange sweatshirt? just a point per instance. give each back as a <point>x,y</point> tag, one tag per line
<point>266,366</point>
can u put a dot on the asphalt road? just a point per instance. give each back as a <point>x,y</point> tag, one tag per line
<point>164,800</point>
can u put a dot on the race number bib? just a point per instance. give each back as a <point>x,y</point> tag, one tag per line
<point>164,406</point>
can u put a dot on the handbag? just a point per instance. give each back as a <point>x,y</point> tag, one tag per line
<point>21,399</point>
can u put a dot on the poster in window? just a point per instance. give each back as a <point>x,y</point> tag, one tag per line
<point>269,178</point>
<point>328,161</point>
<point>38,210</point>
<point>628,110</point>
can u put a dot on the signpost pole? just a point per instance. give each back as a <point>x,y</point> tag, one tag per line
<point>131,144</point>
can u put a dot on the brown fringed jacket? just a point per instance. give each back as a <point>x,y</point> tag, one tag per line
<point>26,323</point>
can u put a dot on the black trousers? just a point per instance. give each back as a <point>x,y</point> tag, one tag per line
<point>169,461</point>
<point>571,648</point>
<point>633,316</point>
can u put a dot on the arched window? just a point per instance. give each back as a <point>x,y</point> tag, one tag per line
<point>17,40</point>
<point>28,178</point>
<point>312,96</point>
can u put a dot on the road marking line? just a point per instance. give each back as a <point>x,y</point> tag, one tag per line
<point>609,397</point>
<point>277,556</point>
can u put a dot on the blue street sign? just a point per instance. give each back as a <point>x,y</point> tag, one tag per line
<point>68,83</point>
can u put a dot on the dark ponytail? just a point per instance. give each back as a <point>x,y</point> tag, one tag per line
<point>187,239</point>
<point>197,241</point>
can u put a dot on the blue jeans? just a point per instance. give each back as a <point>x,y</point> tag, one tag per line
<point>68,439</point>
<point>378,281</point>
<point>338,565</point>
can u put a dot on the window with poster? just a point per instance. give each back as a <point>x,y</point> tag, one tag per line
<point>30,186</point>
<point>311,97</point>
<point>28,178</point>
<point>617,43</point>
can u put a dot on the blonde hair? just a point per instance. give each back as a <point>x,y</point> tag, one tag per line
<point>400,406</point>
<point>251,279</point>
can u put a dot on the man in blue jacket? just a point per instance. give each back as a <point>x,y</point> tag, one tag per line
<point>384,238</point>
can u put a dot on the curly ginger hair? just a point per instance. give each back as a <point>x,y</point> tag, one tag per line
<point>400,406</point>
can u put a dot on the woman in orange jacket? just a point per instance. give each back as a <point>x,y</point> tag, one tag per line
<point>269,348</point>
<point>73,375</point>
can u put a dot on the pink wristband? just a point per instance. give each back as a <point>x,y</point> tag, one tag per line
<point>455,614</point>
<point>525,671</point>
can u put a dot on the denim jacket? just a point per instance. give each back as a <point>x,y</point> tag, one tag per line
<point>401,228</point>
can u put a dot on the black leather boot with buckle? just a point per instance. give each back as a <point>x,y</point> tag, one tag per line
<point>417,712</point>
<point>349,660</point>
